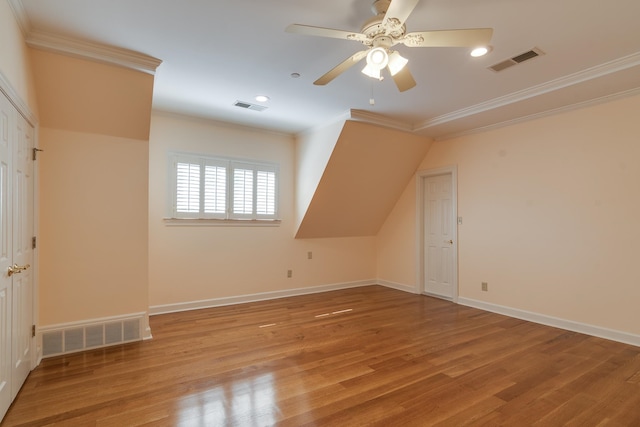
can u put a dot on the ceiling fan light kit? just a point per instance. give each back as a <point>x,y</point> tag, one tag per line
<point>372,72</point>
<point>396,62</point>
<point>377,58</point>
<point>385,30</point>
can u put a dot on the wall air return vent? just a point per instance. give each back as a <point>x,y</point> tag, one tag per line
<point>70,338</point>
<point>249,106</point>
<point>518,59</point>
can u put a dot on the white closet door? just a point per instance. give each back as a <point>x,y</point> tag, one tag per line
<point>22,292</point>
<point>16,253</point>
<point>7,130</point>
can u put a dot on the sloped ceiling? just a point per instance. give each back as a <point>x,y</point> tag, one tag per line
<point>367,172</point>
<point>87,96</point>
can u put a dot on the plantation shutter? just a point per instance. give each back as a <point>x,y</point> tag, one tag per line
<point>215,189</point>
<point>242,191</point>
<point>266,193</point>
<point>187,187</point>
<point>211,187</point>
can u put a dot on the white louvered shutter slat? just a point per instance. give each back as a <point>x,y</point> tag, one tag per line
<point>215,189</point>
<point>187,187</point>
<point>265,193</point>
<point>242,191</point>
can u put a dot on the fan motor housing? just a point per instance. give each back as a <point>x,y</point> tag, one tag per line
<point>373,26</point>
<point>383,41</point>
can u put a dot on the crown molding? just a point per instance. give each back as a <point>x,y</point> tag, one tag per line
<point>379,119</point>
<point>21,16</point>
<point>542,114</point>
<point>93,51</point>
<point>610,67</point>
<point>360,116</point>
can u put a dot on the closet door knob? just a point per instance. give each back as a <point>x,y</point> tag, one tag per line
<point>15,269</point>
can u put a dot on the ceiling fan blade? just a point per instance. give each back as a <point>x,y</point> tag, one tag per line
<point>472,37</point>
<point>403,79</point>
<point>341,68</point>
<point>325,32</point>
<point>400,10</point>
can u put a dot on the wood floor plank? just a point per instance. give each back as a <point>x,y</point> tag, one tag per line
<point>362,356</point>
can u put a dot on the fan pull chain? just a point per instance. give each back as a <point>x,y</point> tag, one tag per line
<point>372,100</point>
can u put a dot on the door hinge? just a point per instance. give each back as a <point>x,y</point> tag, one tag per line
<point>33,331</point>
<point>35,152</point>
<point>33,242</point>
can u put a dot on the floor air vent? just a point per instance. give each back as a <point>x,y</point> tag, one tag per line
<point>518,59</point>
<point>249,106</point>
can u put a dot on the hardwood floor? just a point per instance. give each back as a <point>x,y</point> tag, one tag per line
<point>355,357</point>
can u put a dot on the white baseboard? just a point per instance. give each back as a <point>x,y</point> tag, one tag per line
<point>58,336</point>
<point>72,337</point>
<point>398,286</point>
<point>596,331</point>
<point>262,296</point>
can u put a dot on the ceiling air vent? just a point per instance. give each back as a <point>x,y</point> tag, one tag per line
<point>518,59</point>
<point>249,106</point>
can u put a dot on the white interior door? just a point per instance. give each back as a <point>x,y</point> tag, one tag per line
<point>439,236</point>
<point>16,254</point>
<point>7,118</point>
<point>22,292</point>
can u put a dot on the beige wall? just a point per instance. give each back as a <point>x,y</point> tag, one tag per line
<point>550,213</point>
<point>93,210</point>
<point>206,262</point>
<point>396,241</point>
<point>15,65</point>
<point>93,188</point>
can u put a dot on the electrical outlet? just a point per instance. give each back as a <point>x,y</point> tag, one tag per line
<point>289,273</point>
<point>485,286</point>
<point>309,255</point>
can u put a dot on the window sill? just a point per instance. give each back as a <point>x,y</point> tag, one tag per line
<point>214,222</point>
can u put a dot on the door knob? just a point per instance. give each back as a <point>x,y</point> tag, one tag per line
<point>15,269</point>
<point>449,242</point>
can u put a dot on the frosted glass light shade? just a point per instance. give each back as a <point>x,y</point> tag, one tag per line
<point>377,58</point>
<point>396,63</point>
<point>371,72</point>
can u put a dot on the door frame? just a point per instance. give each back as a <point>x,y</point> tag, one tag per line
<point>421,178</point>
<point>23,109</point>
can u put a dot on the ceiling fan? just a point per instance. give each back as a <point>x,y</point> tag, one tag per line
<point>385,30</point>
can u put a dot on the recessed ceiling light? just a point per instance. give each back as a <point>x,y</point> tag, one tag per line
<point>262,98</point>
<point>480,51</point>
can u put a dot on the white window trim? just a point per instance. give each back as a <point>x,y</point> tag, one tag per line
<point>195,222</point>
<point>228,218</point>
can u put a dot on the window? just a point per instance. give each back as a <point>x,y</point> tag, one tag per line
<point>219,188</point>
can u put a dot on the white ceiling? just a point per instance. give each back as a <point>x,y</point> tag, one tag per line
<point>216,52</point>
